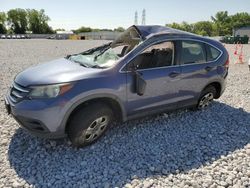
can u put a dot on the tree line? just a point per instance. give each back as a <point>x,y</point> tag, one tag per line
<point>221,24</point>
<point>88,29</point>
<point>19,21</point>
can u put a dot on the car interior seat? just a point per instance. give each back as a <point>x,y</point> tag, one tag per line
<point>164,57</point>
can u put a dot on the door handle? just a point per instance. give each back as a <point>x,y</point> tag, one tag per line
<point>208,68</point>
<point>174,74</point>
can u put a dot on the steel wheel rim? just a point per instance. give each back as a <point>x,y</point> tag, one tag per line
<point>96,128</point>
<point>206,100</point>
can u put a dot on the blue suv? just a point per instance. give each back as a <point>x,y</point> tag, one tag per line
<point>146,70</point>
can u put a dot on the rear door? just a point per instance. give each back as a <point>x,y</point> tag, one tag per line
<point>196,70</point>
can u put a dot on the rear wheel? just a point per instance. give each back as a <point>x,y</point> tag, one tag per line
<point>89,123</point>
<point>206,98</point>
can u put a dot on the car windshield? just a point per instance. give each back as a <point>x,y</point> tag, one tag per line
<point>107,55</point>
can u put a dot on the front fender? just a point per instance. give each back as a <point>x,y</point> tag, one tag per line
<point>80,100</point>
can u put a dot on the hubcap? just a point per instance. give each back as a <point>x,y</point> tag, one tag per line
<point>96,128</point>
<point>206,100</point>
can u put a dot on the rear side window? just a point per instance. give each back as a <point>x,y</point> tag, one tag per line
<point>212,53</point>
<point>192,52</point>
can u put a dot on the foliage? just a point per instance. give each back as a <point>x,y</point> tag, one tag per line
<point>222,24</point>
<point>17,20</point>
<point>38,21</point>
<point>105,29</point>
<point>20,21</point>
<point>119,29</point>
<point>240,20</point>
<point>3,19</point>
<point>83,30</point>
<point>204,28</point>
<point>88,29</point>
<point>59,29</point>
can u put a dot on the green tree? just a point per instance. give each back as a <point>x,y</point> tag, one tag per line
<point>175,26</point>
<point>3,19</point>
<point>105,29</point>
<point>95,30</point>
<point>119,29</point>
<point>240,20</point>
<point>222,23</point>
<point>60,29</point>
<point>183,26</point>
<point>187,27</point>
<point>204,28</point>
<point>38,22</point>
<point>83,30</point>
<point>17,20</point>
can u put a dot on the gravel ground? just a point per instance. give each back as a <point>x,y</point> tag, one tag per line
<point>209,148</point>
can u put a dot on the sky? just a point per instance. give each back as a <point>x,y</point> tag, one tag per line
<point>72,14</point>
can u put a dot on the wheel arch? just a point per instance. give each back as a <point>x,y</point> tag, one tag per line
<point>111,100</point>
<point>218,87</point>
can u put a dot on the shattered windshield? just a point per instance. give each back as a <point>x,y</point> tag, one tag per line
<point>108,54</point>
<point>97,59</point>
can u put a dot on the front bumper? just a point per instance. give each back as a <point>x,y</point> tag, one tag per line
<point>37,128</point>
<point>43,123</point>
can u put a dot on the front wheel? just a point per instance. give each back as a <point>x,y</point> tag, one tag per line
<point>206,98</point>
<point>89,123</point>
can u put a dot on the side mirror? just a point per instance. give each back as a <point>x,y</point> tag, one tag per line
<point>140,84</point>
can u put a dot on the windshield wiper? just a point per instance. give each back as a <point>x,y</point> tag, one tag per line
<point>97,66</point>
<point>99,48</point>
<point>104,49</point>
<point>92,50</point>
<point>88,65</point>
<point>81,63</point>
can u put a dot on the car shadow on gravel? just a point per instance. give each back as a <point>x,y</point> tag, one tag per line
<point>164,144</point>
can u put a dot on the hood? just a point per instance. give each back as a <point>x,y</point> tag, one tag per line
<point>57,71</point>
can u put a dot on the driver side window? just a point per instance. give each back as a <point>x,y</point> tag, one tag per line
<point>157,55</point>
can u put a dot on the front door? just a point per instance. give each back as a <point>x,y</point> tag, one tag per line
<point>157,66</point>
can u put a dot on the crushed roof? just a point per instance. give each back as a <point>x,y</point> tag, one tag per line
<point>146,30</point>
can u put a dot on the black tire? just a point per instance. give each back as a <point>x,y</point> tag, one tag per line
<point>86,122</point>
<point>207,96</point>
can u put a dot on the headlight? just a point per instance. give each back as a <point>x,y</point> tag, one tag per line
<point>49,91</point>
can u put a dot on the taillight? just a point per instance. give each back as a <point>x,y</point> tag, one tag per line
<point>227,62</point>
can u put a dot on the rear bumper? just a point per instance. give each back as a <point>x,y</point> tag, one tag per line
<point>223,86</point>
